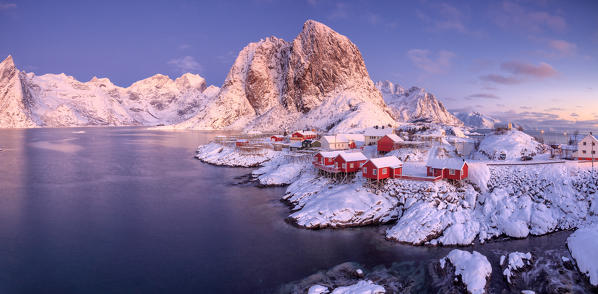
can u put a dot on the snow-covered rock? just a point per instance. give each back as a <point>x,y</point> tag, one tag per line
<point>58,100</point>
<point>339,205</point>
<point>218,154</point>
<point>476,120</point>
<point>361,287</point>
<point>415,105</point>
<point>582,244</point>
<point>515,262</point>
<point>317,289</point>
<point>512,143</point>
<point>318,80</point>
<point>474,269</point>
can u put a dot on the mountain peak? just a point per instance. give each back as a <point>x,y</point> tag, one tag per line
<point>8,61</point>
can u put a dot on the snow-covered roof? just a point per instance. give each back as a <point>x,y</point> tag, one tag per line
<point>304,133</point>
<point>243,141</point>
<point>394,138</point>
<point>378,131</point>
<point>335,139</point>
<point>387,161</point>
<point>329,154</point>
<point>339,138</point>
<point>590,137</point>
<point>451,163</point>
<point>296,144</point>
<point>353,156</point>
<point>277,136</point>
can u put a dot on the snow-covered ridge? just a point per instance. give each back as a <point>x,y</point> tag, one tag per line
<point>415,104</point>
<point>476,120</point>
<point>57,100</point>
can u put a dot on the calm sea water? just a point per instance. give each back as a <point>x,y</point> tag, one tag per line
<point>127,210</point>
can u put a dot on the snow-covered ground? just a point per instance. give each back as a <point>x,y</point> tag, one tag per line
<point>217,154</point>
<point>474,269</point>
<point>513,144</point>
<point>583,244</point>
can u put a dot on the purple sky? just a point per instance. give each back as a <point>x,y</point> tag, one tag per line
<point>534,60</point>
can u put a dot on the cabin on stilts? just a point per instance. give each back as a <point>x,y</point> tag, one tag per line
<point>379,169</point>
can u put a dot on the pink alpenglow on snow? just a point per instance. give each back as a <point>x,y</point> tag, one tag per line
<point>350,162</point>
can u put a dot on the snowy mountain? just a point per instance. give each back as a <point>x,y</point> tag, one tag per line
<point>56,100</point>
<point>318,80</point>
<point>476,120</point>
<point>415,105</point>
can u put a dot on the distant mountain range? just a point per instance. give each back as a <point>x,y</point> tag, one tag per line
<point>476,120</point>
<point>319,80</point>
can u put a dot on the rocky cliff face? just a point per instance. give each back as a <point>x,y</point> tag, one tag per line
<point>15,99</point>
<point>415,105</point>
<point>57,100</point>
<point>318,81</point>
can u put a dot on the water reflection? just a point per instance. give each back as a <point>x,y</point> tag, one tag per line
<point>132,211</point>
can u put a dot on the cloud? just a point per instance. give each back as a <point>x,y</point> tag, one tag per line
<point>545,120</point>
<point>542,70</point>
<point>184,46</point>
<point>519,71</point>
<point>500,79</point>
<point>185,64</point>
<point>525,107</point>
<point>513,15</point>
<point>430,62</point>
<point>443,17</point>
<point>6,6</point>
<point>563,47</point>
<point>553,109</point>
<point>574,114</point>
<point>482,95</point>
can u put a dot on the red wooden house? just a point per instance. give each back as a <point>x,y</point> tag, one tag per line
<point>449,168</point>
<point>241,142</point>
<point>350,162</point>
<point>326,157</point>
<point>277,138</point>
<point>388,143</point>
<point>304,135</point>
<point>382,168</point>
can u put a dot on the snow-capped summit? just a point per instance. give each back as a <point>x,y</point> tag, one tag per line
<point>476,120</point>
<point>318,80</point>
<point>57,100</point>
<point>415,105</point>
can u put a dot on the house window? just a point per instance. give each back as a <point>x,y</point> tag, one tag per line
<point>344,165</point>
<point>383,171</point>
<point>593,151</point>
<point>374,171</point>
<point>451,172</point>
<point>584,143</point>
<point>365,170</point>
<point>583,151</point>
<point>350,165</point>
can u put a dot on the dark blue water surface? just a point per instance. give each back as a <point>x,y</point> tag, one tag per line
<point>127,210</point>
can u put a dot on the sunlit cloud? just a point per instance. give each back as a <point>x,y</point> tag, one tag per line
<point>429,62</point>
<point>542,70</point>
<point>563,47</point>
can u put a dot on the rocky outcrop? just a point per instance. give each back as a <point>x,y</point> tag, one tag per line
<point>476,120</point>
<point>318,80</point>
<point>15,99</point>
<point>415,105</point>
